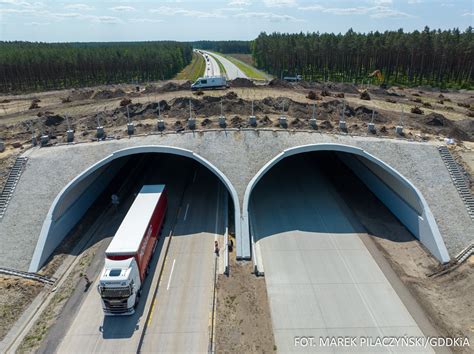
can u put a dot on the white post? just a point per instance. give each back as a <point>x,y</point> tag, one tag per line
<point>313,121</point>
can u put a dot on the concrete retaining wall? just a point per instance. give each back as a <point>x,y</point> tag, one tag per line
<point>69,207</point>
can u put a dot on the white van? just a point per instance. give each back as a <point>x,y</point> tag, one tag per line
<point>211,82</point>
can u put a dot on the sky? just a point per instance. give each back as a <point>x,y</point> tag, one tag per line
<point>188,20</point>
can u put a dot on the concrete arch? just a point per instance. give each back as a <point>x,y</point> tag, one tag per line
<point>404,200</point>
<point>59,222</point>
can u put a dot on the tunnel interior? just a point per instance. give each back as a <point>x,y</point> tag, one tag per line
<point>324,192</point>
<point>86,202</point>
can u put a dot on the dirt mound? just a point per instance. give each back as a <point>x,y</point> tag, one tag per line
<point>437,120</point>
<point>241,82</point>
<point>463,130</point>
<point>107,94</point>
<point>325,124</point>
<point>53,120</point>
<point>297,123</point>
<point>125,102</point>
<point>236,122</point>
<point>279,83</point>
<point>206,122</point>
<point>265,121</point>
<point>312,95</point>
<point>231,95</point>
<point>364,95</point>
<point>416,110</point>
<point>81,94</point>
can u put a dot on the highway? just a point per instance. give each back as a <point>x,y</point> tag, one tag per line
<point>180,313</point>
<point>212,67</point>
<point>232,71</point>
<point>321,279</point>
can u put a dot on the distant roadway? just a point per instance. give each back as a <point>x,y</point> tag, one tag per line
<point>232,71</point>
<point>321,279</point>
<point>212,67</point>
<point>180,317</point>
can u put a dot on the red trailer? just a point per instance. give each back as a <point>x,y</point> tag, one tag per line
<point>129,254</point>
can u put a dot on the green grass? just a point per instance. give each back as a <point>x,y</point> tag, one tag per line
<point>194,70</point>
<point>248,70</point>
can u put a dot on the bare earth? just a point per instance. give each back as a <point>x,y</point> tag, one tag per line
<point>243,322</point>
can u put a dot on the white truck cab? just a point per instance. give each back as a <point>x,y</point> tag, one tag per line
<point>119,286</point>
<point>210,82</point>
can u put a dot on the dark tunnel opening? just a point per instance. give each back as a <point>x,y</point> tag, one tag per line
<point>317,192</point>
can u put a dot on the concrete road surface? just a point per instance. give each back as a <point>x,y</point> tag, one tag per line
<point>180,314</point>
<point>232,71</point>
<point>321,279</point>
<point>212,68</point>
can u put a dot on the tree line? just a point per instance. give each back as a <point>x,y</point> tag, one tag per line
<point>229,47</point>
<point>27,66</point>
<point>430,57</point>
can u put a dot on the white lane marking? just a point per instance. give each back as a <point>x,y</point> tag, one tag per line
<point>186,212</point>
<point>171,275</point>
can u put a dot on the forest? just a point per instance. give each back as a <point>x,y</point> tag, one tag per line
<point>27,66</point>
<point>226,47</point>
<point>430,57</point>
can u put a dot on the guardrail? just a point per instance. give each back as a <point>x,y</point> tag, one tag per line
<point>27,275</point>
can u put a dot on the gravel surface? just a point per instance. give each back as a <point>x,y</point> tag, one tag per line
<point>239,155</point>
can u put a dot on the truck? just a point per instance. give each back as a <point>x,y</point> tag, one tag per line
<point>210,82</point>
<point>293,78</point>
<point>128,256</point>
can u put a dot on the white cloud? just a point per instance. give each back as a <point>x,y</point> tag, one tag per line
<point>381,2</point>
<point>106,19</point>
<point>144,20</point>
<point>122,8</point>
<point>267,16</point>
<point>468,14</point>
<point>239,3</point>
<point>37,23</point>
<point>79,7</point>
<point>171,11</point>
<point>373,11</point>
<point>280,3</point>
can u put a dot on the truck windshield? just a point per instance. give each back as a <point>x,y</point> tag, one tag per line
<point>115,292</point>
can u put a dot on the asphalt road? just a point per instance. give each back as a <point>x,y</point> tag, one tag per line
<point>180,312</point>
<point>180,320</point>
<point>321,279</point>
<point>212,68</point>
<point>232,71</point>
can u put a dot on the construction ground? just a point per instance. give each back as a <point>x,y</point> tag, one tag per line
<point>446,298</point>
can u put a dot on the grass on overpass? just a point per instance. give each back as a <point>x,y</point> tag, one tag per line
<point>194,70</point>
<point>247,69</point>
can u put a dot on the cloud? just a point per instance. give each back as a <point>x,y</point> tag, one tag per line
<point>280,3</point>
<point>144,20</point>
<point>79,7</point>
<point>373,11</point>
<point>267,16</point>
<point>37,23</point>
<point>123,8</point>
<point>382,2</point>
<point>106,19</point>
<point>171,11</point>
<point>240,3</point>
<point>468,14</point>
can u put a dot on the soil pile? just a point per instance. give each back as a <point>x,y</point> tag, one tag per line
<point>280,83</point>
<point>108,94</point>
<point>241,82</point>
